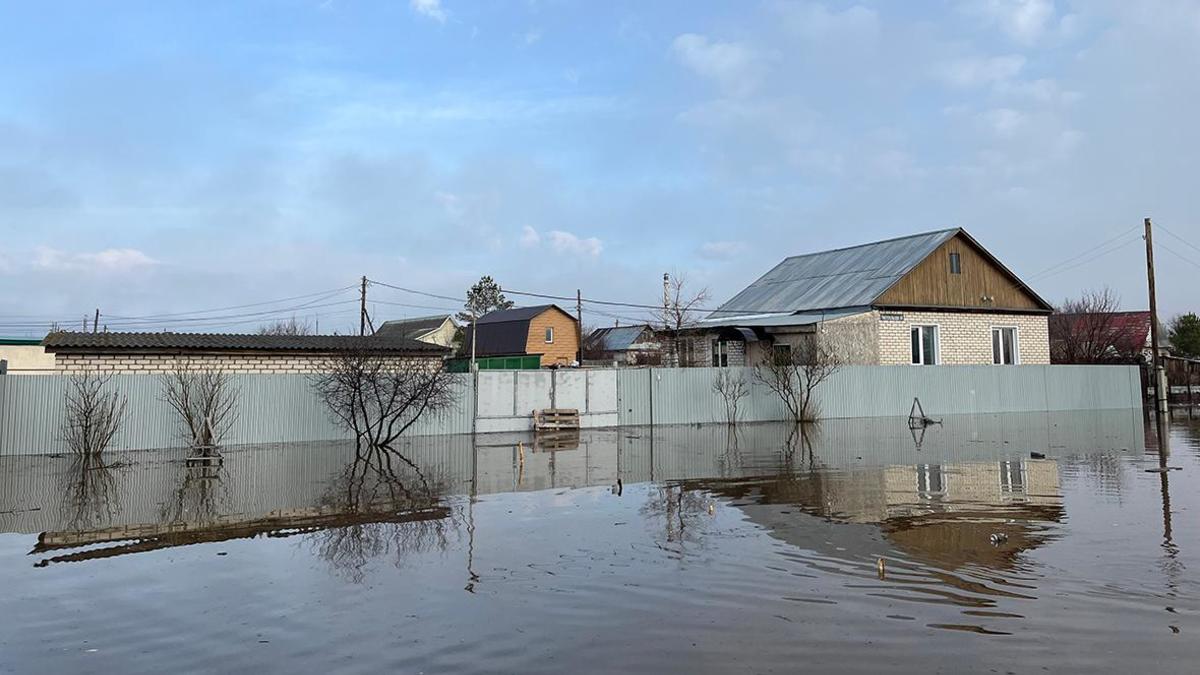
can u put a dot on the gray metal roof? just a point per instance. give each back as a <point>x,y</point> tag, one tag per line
<point>615,338</point>
<point>844,277</point>
<point>515,314</point>
<point>783,319</point>
<point>411,328</point>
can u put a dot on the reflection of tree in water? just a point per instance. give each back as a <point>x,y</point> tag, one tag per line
<point>202,497</point>
<point>387,507</point>
<point>89,494</point>
<point>679,513</point>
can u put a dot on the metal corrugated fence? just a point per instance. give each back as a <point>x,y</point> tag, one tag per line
<point>282,408</point>
<point>272,408</point>
<point>686,396</point>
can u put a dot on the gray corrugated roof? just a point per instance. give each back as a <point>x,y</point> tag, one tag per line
<point>844,277</point>
<point>411,328</point>
<point>784,319</point>
<point>615,338</point>
<point>229,342</point>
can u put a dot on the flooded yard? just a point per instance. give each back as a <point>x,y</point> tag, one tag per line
<point>998,543</point>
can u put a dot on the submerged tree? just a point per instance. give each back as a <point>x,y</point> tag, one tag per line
<point>794,374</point>
<point>732,387</point>
<point>205,402</point>
<point>377,396</point>
<point>94,414</point>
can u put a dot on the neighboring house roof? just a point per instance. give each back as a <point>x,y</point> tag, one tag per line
<point>1129,332</point>
<point>846,277</point>
<point>798,319</point>
<point>414,329</point>
<point>505,332</point>
<point>615,338</point>
<point>109,342</point>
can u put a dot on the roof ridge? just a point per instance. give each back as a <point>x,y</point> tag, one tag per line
<point>874,243</point>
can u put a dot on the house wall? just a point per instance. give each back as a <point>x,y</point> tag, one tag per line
<point>930,284</point>
<point>26,358</point>
<point>565,347</point>
<point>965,338</point>
<point>161,363</point>
<point>444,335</point>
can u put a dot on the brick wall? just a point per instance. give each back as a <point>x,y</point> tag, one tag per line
<point>965,338</point>
<point>160,363</point>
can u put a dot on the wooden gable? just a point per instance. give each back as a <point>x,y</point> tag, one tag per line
<point>981,284</point>
<point>565,347</point>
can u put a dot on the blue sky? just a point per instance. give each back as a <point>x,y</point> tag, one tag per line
<point>161,157</point>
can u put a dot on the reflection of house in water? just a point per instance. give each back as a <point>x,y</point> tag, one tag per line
<point>862,483</point>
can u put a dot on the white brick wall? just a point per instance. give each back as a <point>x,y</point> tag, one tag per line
<point>965,338</point>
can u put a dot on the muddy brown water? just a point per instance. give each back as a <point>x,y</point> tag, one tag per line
<point>1003,543</point>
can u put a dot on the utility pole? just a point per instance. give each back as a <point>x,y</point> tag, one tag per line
<point>96,322</point>
<point>579,325</point>
<point>666,296</point>
<point>362,316</point>
<point>1160,397</point>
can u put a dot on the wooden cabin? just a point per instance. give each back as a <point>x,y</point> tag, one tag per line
<point>544,330</point>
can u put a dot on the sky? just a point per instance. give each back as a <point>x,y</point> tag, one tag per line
<point>162,158</point>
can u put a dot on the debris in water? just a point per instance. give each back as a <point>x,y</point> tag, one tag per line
<point>998,538</point>
<point>879,565</point>
<point>1036,455</point>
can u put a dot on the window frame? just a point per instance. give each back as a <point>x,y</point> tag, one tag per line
<point>1016,333</point>
<point>937,343</point>
<point>549,336</point>
<point>955,263</point>
<point>720,353</point>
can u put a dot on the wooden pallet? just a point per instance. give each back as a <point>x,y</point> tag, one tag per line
<point>553,419</point>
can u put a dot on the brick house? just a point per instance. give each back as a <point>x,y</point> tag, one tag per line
<point>925,299</point>
<point>542,330</point>
<point>160,352</point>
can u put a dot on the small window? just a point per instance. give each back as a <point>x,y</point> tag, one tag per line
<point>720,354</point>
<point>955,264</point>
<point>781,354</point>
<point>924,345</point>
<point>1005,350</point>
<point>549,334</point>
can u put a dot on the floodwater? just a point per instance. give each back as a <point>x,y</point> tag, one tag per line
<point>858,546</point>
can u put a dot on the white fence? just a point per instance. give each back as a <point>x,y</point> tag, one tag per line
<point>283,408</point>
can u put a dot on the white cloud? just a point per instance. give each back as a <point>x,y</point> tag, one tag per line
<point>722,250</point>
<point>565,242</point>
<point>108,260</point>
<point>979,72</point>
<point>429,8</point>
<point>1004,122</point>
<point>530,237</point>
<point>531,37</point>
<point>1025,21</point>
<point>815,21</point>
<point>734,66</point>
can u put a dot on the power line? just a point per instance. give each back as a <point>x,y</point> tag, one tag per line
<point>1178,255</point>
<point>1083,253</point>
<point>327,293</point>
<point>1059,269</point>
<point>1185,241</point>
<point>416,292</point>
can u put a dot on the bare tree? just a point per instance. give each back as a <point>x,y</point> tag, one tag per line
<point>732,387</point>
<point>378,396</point>
<point>1088,330</point>
<point>205,401</point>
<point>292,326</point>
<point>795,373</point>
<point>94,415</point>
<point>681,309</point>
